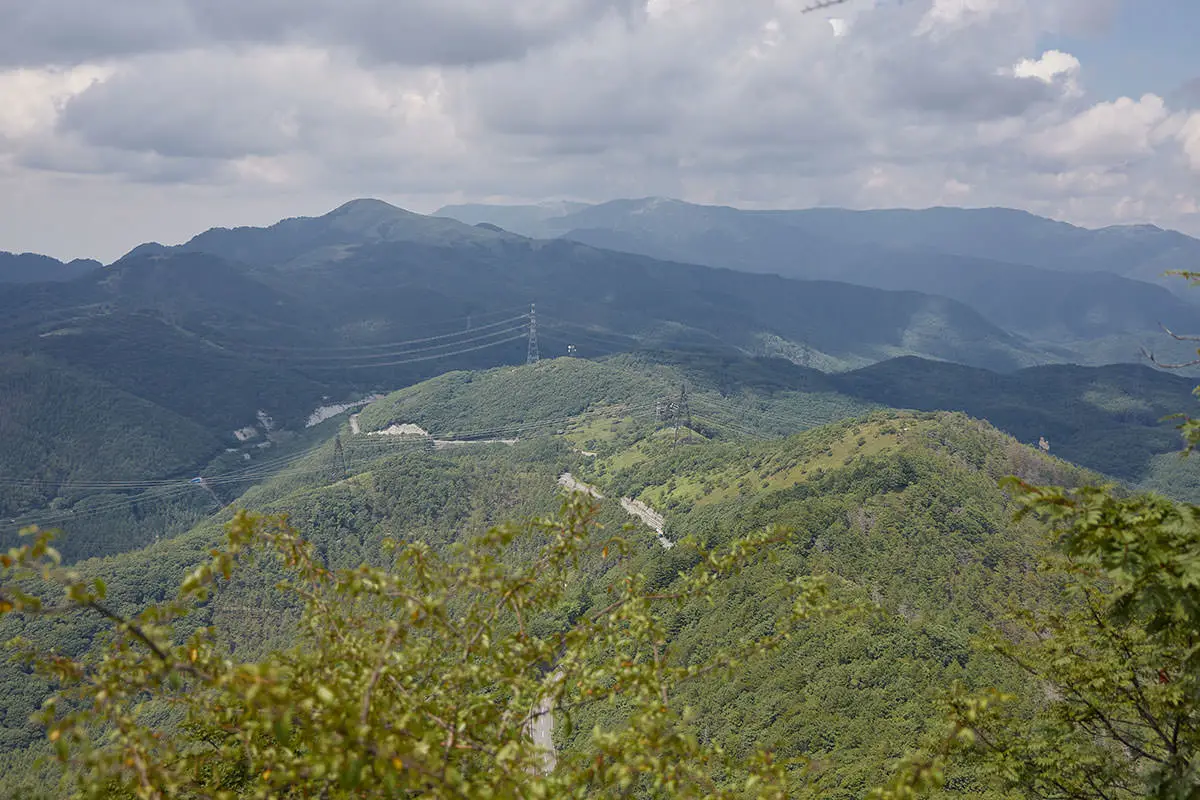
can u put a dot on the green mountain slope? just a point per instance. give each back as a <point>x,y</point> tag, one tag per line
<point>98,434</point>
<point>1110,418</point>
<point>902,508</point>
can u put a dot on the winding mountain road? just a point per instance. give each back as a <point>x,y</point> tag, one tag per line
<point>635,508</point>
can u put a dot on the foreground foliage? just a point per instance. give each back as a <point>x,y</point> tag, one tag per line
<point>1119,671</point>
<point>422,678</point>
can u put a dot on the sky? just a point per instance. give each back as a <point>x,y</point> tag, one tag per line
<point>138,120</point>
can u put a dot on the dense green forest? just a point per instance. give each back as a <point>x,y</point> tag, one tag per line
<point>1109,419</point>
<point>904,509</point>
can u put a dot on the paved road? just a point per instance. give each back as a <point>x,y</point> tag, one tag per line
<point>542,732</point>
<point>573,484</point>
<point>541,727</point>
<point>652,519</point>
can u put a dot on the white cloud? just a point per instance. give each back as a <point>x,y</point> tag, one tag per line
<point>1054,67</point>
<point>1107,133</point>
<point>30,99</point>
<point>751,103</point>
<point>1052,64</point>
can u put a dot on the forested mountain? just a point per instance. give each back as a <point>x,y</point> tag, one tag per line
<point>368,271</point>
<point>1110,419</point>
<point>313,239</point>
<point>1091,292</point>
<point>903,508</point>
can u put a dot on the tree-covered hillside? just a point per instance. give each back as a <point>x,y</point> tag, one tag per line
<point>903,509</point>
<point>171,344</point>
<point>274,322</point>
<point>1111,419</point>
<point>137,475</point>
<point>100,434</point>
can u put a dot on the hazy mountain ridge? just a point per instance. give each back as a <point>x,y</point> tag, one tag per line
<point>35,268</point>
<point>1054,283</point>
<point>1005,235</point>
<point>357,222</point>
<point>371,256</point>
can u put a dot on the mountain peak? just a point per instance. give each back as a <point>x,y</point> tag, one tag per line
<point>365,205</point>
<point>366,215</point>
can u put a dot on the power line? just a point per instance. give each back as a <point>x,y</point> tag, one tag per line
<point>365,357</point>
<point>446,340</point>
<point>471,328</point>
<point>433,357</point>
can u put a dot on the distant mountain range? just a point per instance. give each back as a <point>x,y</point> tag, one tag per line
<point>1142,252</point>
<point>1057,284</point>
<point>369,274</point>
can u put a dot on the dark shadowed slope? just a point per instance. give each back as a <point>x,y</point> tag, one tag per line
<point>34,268</point>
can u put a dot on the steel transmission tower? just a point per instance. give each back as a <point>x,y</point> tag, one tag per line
<point>340,471</point>
<point>683,414</point>
<point>532,357</point>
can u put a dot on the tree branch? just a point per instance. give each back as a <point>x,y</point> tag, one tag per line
<point>375,676</point>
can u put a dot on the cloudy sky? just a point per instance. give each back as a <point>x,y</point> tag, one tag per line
<point>134,120</point>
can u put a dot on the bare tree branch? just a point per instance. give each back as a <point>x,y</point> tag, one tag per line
<point>1178,336</point>
<point>822,4</point>
<point>1149,356</point>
